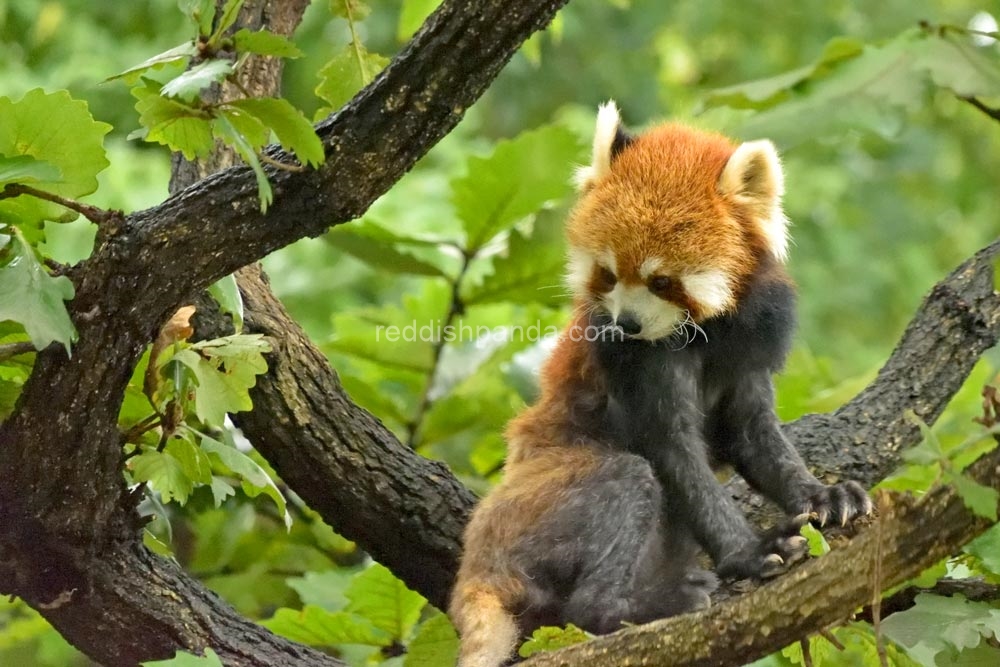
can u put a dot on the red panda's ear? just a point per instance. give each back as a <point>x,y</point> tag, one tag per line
<point>753,177</point>
<point>609,140</point>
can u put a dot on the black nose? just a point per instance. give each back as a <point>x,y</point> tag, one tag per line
<point>629,324</point>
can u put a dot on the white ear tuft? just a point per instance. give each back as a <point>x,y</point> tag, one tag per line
<point>753,178</point>
<point>608,121</point>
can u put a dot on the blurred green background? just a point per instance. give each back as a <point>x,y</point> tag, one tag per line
<point>878,218</point>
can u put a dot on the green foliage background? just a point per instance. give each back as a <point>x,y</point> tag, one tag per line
<point>887,194</point>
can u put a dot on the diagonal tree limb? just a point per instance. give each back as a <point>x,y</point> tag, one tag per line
<point>958,320</point>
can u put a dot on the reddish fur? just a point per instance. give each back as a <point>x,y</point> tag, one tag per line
<point>661,199</point>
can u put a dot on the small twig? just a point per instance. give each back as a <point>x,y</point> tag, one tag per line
<point>9,350</point>
<point>57,268</point>
<point>876,606</point>
<point>455,308</point>
<point>830,637</point>
<point>989,111</point>
<point>284,166</point>
<point>807,659</point>
<point>147,424</point>
<point>92,213</point>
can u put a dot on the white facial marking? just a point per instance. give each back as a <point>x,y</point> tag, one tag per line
<point>711,289</point>
<point>649,267</point>
<point>658,318</point>
<point>608,261</point>
<point>579,268</point>
<point>608,120</point>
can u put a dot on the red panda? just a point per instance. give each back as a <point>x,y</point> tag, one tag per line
<point>682,313</point>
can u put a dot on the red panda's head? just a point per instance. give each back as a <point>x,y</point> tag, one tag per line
<point>671,224</point>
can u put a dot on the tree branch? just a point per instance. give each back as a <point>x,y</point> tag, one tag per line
<point>958,320</point>
<point>989,111</point>
<point>405,510</point>
<point>95,214</point>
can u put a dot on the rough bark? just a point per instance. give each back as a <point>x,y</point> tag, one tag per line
<point>406,511</point>
<point>958,321</point>
<point>69,539</point>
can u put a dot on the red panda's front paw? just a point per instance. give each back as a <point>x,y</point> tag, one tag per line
<point>773,553</point>
<point>838,503</point>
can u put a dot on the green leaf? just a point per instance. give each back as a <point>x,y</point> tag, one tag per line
<point>380,249</point>
<point>184,659</point>
<point>255,479</point>
<point>172,123</point>
<point>221,489</point>
<point>548,638</point>
<point>979,498</point>
<point>817,543</point>
<point>519,178</point>
<point>986,548</point>
<point>230,12</point>
<point>958,65</point>
<point>188,85</point>
<point>323,589</point>
<point>26,169</point>
<point>227,294</point>
<point>929,450</point>
<point>194,462</point>
<point>256,134</point>
<point>763,93</point>
<point>155,544</point>
<point>52,128</point>
<point>318,627</point>
<point>380,597</point>
<point>872,91</point>
<point>265,43</point>
<point>164,473</point>
<point>345,74</point>
<point>34,299</point>
<point>529,272</point>
<point>354,10</point>
<point>202,12</point>
<point>293,131</point>
<point>225,370</point>
<point>857,648</point>
<point>436,644</point>
<point>935,623</point>
<point>223,128</point>
<point>179,53</point>
<point>412,15</point>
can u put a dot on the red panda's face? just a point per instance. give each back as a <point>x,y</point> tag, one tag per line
<point>670,225</point>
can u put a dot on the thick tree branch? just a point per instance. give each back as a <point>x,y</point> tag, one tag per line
<point>823,592</point>
<point>958,320</point>
<point>406,511</point>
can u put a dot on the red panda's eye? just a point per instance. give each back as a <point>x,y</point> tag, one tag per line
<point>606,279</point>
<point>659,284</point>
